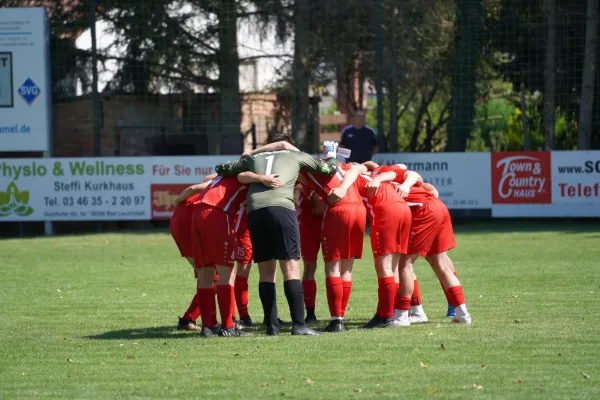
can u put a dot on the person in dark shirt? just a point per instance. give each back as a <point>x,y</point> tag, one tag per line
<point>360,139</point>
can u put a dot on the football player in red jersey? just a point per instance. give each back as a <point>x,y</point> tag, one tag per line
<point>389,215</point>
<point>214,248</point>
<point>342,239</point>
<point>181,232</point>
<point>431,237</point>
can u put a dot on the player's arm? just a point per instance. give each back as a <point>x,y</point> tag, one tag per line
<point>410,179</point>
<point>232,168</point>
<point>210,177</point>
<point>190,191</point>
<point>371,165</point>
<point>373,185</point>
<point>309,164</point>
<point>277,146</point>
<point>249,177</point>
<point>430,188</point>
<point>349,178</point>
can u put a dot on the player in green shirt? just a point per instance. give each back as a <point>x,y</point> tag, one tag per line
<point>273,225</point>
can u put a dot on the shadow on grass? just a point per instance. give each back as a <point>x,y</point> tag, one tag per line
<point>170,332</point>
<point>154,332</point>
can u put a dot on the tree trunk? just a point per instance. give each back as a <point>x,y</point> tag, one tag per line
<point>393,93</point>
<point>584,137</point>
<point>229,90</point>
<point>464,72</point>
<point>300,73</point>
<point>550,77</point>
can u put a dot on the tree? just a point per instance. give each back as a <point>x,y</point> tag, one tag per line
<point>589,74</point>
<point>300,73</point>
<point>550,77</point>
<point>467,47</point>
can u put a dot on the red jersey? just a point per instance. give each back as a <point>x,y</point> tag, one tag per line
<point>323,185</point>
<point>303,204</point>
<point>224,193</point>
<point>385,195</point>
<point>417,194</point>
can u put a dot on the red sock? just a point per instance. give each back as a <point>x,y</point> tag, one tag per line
<point>456,296</point>
<point>335,295</point>
<point>310,293</point>
<point>402,303</point>
<point>387,294</point>
<point>445,293</point>
<point>193,311</point>
<point>240,289</point>
<point>347,288</point>
<point>226,300</point>
<point>416,297</point>
<point>206,302</point>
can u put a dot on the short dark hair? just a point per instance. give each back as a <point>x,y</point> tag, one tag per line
<point>280,137</point>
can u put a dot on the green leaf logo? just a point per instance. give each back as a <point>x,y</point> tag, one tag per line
<point>14,201</point>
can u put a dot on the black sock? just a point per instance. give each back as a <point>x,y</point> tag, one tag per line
<point>295,297</point>
<point>268,298</point>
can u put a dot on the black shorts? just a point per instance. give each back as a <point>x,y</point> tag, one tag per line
<point>274,234</point>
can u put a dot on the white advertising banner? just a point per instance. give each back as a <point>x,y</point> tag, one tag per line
<point>546,184</point>
<point>88,189</point>
<point>462,179</point>
<point>79,189</point>
<point>25,90</point>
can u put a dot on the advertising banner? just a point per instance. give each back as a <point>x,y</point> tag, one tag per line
<point>63,189</point>
<point>171,175</point>
<point>546,184</point>
<point>462,179</point>
<point>24,80</point>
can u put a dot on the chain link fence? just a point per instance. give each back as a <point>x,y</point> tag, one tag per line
<point>220,76</point>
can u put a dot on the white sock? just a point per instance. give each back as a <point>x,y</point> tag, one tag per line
<point>417,309</point>
<point>461,310</point>
<point>336,318</point>
<point>400,314</point>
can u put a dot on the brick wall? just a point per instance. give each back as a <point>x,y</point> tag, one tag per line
<point>154,124</point>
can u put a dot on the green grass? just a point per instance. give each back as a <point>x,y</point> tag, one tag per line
<point>93,317</point>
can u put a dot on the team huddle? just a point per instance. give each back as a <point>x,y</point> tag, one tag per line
<point>278,204</point>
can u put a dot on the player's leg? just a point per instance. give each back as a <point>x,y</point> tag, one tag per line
<point>310,243</point>
<point>452,287</point>
<point>386,291</point>
<point>309,284</point>
<point>181,232</point>
<point>405,290</point>
<point>346,283</point>
<point>335,295</point>
<point>226,300</point>
<point>241,292</point>
<point>260,224</point>
<point>443,242</point>
<point>285,239</point>
<point>205,272</point>
<point>417,314</point>
<point>356,221</point>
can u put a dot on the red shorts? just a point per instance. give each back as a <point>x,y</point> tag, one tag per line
<point>431,231</point>
<point>390,229</point>
<point>310,235</point>
<point>181,229</point>
<point>243,251</point>
<point>343,232</point>
<point>212,237</point>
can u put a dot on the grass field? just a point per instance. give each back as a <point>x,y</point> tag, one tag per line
<point>93,317</point>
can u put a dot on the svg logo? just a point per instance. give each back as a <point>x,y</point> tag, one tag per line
<point>29,91</point>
